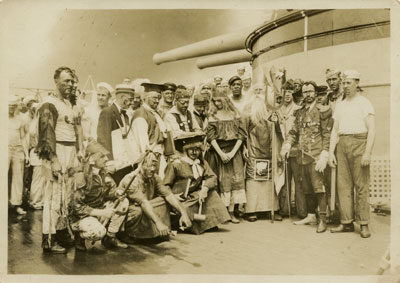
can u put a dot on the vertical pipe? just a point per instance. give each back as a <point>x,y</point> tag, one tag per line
<point>305,33</point>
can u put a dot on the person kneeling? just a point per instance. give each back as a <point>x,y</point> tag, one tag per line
<point>98,207</point>
<point>192,179</point>
<point>148,213</point>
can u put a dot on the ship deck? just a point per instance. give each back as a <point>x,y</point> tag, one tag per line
<point>259,248</point>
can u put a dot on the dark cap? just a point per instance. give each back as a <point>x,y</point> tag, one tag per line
<point>322,90</point>
<point>232,79</point>
<point>195,139</point>
<point>150,87</point>
<point>182,93</point>
<point>169,86</point>
<point>200,100</point>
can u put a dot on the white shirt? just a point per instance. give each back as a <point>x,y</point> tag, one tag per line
<point>351,114</point>
<point>90,120</point>
<point>239,104</point>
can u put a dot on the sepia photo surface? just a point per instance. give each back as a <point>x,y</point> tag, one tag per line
<point>107,116</point>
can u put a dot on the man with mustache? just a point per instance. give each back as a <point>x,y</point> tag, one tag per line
<point>311,130</point>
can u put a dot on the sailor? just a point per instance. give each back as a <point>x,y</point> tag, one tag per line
<point>353,137</point>
<point>92,112</point>
<point>334,81</point>
<point>168,99</point>
<point>237,98</point>
<point>17,153</point>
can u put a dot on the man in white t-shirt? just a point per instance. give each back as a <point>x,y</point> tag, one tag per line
<point>353,133</point>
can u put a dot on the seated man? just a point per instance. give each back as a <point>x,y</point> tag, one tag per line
<point>192,179</point>
<point>97,202</point>
<point>148,213</point>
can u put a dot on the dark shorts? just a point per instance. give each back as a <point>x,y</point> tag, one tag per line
<point>312,180</point>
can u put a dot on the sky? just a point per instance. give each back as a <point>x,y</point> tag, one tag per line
<point>111,44</point>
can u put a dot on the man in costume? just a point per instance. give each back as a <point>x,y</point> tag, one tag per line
<point>59,148</point>
<point>353,137</point>
<point>149,129</point>
<point>192,179</point>
<point>259,185</point>
<point>98,208</point>
<point>179,119</point>
<point>286,114</point>
<point>148,213</point>
<point>114,129</point>
<point>200,104</point>
<point>311,130</point>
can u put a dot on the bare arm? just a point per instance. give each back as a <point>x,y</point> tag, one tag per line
<point>332,144</point>
<point>370,123</point>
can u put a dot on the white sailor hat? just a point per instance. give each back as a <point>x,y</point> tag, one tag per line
<point>28,98</point>
<point>351,74</point>
<point>106,86</point>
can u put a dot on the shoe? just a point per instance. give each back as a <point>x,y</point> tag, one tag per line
<point>234,220</point>
<point>20,211</point>
<point>343,228</point>
<point>365,231</point>
<point>311,219</point>
<point>278,217</point>
<point>79,243</point>
<point>322,224</point>
<point>252,218</point>
<point>238,214</point>
<point>113,242</point>
<point>64,238</point>
<point>54,247</point>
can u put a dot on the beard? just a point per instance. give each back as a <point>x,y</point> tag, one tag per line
<point>258,110</point>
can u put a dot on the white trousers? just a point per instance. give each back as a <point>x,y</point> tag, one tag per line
<point>37,187</point>
<point>16,159</point>
<point>58,193</point>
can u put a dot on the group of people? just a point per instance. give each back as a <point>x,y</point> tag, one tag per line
<point>147,159</point>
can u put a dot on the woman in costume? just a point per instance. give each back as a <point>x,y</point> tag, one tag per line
<point>226,134</point>
<point>192,179</point>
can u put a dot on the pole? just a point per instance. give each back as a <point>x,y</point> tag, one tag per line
<point>287,185</point>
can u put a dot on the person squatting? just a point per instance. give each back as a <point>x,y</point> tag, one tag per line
<point>145,160</point>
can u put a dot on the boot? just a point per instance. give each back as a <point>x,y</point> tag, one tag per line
<point>311,219</point>
<point>343,228</point>
<point>364,231</point>
<point>277,216</point>
<point>111,241</point>
<point>54,247</point>
<point>233,218</point>
<point>322,223</point>
<point>79,242</point>
<point>64,238</point>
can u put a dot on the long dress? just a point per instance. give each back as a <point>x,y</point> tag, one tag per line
<point>258,191</point>
<point>231,183</point>
<point>176,177</point>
